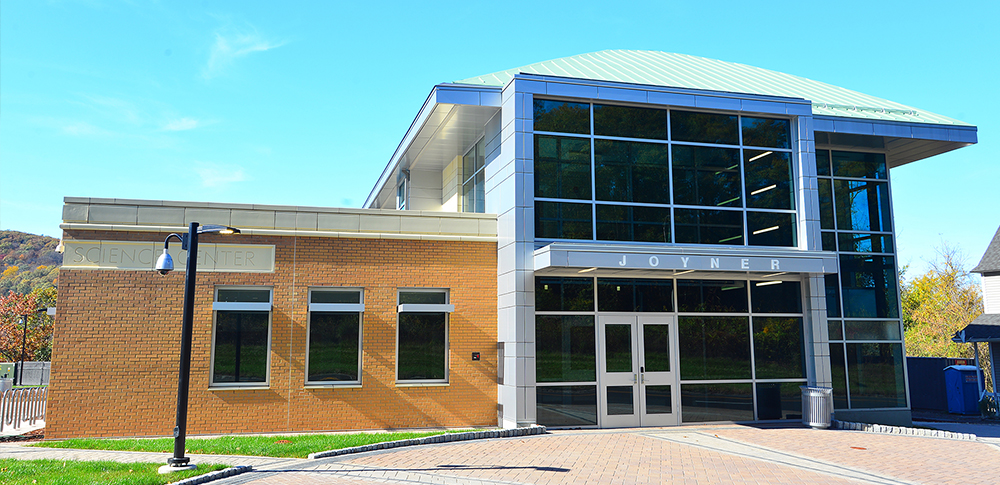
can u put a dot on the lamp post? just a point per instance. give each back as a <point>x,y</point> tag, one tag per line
<point>24,343</point>
<point>164,265</point>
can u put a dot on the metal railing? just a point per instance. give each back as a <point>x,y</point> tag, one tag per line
<point>19,406</point>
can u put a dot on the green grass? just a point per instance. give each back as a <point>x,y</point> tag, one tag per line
<point>59,472</point>
<point>297,447</point>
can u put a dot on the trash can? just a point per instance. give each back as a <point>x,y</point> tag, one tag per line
<point>817,406</point>
<point>962,388</point>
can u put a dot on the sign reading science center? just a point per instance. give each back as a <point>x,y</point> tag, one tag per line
<point>250,258</point>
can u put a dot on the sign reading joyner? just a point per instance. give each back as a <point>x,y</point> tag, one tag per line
<point>555,258</point>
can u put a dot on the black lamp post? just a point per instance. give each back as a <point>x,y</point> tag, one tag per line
<point>24,343</point>
<point>164,265</point>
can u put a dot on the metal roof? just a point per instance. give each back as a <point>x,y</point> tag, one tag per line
<point>691,72</point>
<point>991,259</point>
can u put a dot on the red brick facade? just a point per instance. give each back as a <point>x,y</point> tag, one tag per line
<point>117,341</point>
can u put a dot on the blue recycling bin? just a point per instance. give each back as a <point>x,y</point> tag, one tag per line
<point>962,388</point>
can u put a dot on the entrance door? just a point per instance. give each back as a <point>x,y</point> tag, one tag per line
<point>637,371</point>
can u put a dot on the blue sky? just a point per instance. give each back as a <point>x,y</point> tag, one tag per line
<point>303,103</point>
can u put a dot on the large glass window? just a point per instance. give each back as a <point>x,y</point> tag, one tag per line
<point>714,347</point>
<point>712,296</point>
<point>868,286</point>
<point>558,294</point>
<point>875,373</point>
<point>566,405</point>
<point>632,295</point>
<point>474,178</point>
<point>862,205</point>
<point>422,338</point>
<point>777,348</point>
<point>633,179</point>
<point>240,347</point>
<point>334,354</point>
<point>565,350</point>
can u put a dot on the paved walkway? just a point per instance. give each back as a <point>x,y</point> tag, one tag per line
<point>685,455</point>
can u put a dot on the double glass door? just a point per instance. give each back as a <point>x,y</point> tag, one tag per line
<point>637,380</point>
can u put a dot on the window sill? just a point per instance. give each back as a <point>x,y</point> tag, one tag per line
<point>239,388</point>
<point>353,385</point>
<point>422,384</point>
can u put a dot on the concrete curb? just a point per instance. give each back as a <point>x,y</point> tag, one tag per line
<point>216,475</point>
<point>441,438</point>
<point>898,430</point>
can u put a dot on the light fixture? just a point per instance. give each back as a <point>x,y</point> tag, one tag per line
<point>734,199</point>
<point>587,270</point>
<point>766,229</point>
<point>768,283</point>
<point>684,272</point>
<point>729,239</point>
<point>762,155</point>
<point>765,189</point>
<point>774,274</point>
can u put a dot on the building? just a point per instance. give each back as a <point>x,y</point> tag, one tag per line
<point>622,238</point>
<point>986,327</point>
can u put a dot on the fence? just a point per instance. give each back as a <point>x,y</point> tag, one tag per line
<point>35,373</point>
<point>25,405</point>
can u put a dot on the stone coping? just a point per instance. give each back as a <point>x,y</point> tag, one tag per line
<point>902,431</point>
<point>216,475</point>
<point>441,438</point>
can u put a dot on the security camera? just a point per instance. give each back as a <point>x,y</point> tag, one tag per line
<point>164,264</point>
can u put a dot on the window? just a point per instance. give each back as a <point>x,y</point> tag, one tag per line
<point>241,339</point>
<point>422,336</point>
<point>334,336</point>
<point>401,195</point>
<point>474,178</point>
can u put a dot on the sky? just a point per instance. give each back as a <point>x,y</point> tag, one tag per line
<point>303,103</point>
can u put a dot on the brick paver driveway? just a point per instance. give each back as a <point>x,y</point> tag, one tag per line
<point>687,455</point>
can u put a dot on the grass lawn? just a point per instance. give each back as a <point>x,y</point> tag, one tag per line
<point>278,446</point>
<point>58,472</point>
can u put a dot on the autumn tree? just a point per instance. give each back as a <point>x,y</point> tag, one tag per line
<point>13,307</point>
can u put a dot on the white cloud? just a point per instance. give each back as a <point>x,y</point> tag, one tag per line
<point>218,176</point>
<point>182,124</point>
<point>233,45</point>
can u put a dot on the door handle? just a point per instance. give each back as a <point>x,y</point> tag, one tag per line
<point>635,378</point>
<point>642,378</point>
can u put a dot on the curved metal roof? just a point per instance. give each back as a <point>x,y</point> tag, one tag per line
<point>691,72</point>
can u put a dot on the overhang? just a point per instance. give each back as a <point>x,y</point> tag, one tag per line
<point>450,120</point>
<point>985,328</point>
<point>582,259</point>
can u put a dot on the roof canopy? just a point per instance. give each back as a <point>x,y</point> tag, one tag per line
<point>985,328</point>
<point>691,72</point>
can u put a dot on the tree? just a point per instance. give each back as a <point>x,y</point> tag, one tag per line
<point>13,306</point>
<point>939,303</point>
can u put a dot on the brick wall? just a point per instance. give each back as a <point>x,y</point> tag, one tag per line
<point>117,341</point>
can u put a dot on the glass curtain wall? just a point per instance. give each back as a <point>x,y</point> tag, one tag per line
<point>621,173</point>
<point>741,345</point>
<point>866,339</point>
<point>474,178</point>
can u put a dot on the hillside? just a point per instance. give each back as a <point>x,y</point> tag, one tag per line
<point>27,262</point>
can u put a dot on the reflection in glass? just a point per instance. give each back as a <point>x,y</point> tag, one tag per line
<point>561,116</point>
<point>703,127</point>
<point>558,294</point>
<point>422,347</point>
<point>776,296</point>
<point>240,346</point>
<point>838,372</point>
<point>865,243</point>
<point>779,400</point>
<point>712,296</point>
<point>634,295</point>
<point>658,400</point>
<point>859,165</point>
<point>876,375</point>
<point>836,328</point>
<point>832,295</point>
<point>562,167</point>
<point>714,347</point>
<point>625,223</point>
<point>826,204</point>
<point>334,341</point>
<point>871,330</point>
<point>778,348</point>
<point>620,400</point>
<point>656,347</point>
<point>632,171</point>
<point>243,295</point>
<point>765,132</point>
<point>869,286</point>
<point>618,348</point>
<point>629,122</point>
<point>708,226</point>
<point>716,402</point>
<point>862,205</point>
<point>823,162</point>
<point>566,405</point>
<point>423,297</point>
<point>563,220</point>
<point>707,176</point>
<point>335,296</point>
<point>564,348</point>
<point>829,241</point>
<point>768,179</point>
<point>771,229</point>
